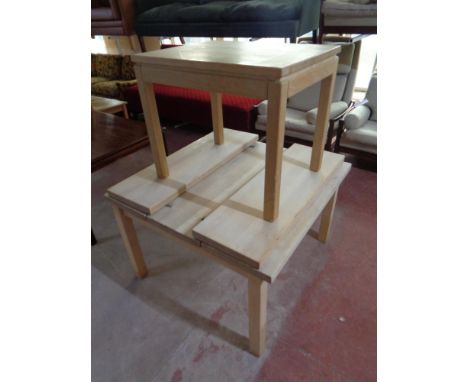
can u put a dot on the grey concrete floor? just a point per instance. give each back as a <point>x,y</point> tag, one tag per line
<point>188,319</point>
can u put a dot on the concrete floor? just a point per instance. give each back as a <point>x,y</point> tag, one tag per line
<point>187,321</point>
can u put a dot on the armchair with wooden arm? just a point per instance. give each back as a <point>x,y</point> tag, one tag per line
<point>357,131</point>
<point>302,109</point>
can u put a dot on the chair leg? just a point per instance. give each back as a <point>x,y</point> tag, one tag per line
<point>142,43</point>
<point>315,36</point>
<point>257,314</point>
<point>330,132</point>
<point>164,133</point>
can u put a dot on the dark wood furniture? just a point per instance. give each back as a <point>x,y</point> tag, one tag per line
<point>113,137</point>
<point>112,17</point>
<point>343,28</point>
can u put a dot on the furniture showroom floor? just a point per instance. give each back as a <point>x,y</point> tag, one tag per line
<point>187,321</point>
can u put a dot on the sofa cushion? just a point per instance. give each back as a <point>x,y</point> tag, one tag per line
<point>93,66</point>
<point>336,108</point>
<point>107,89</point>
<point>209,12</point>
<point>164,14</point>
<point>363,138</point>
<point>295,120</point>
<point>95,80</point>
<point>124,85</point>
<point>306,99</point>
<point>221,11</point>
<point>357,117</point>
<point>109,65</point>
<point>263,10</point>
<point>309,97</point>
<point>127,69</point>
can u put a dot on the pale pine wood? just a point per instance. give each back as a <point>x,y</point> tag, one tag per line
<point>284,248</point>
<point>277,98</point>
<point>111,45</point>
<point>199,201</point>
<point>326,219</point>
<point>237,226</point>
<point>146,193</point>
<point>152,43</point>
<point>109,105</point>
<point>304,78</point>
<point>257,279</point>
<point>249,87</point>
<point>242,59</point>
<point>320,135</point>
<point>135,43</point>
<point>211,253</point>
<point>258,295</point>
<point>153,125</point>
<point>254,70</point>
<point>217,117</point>
<point>280,253</point>
<point>130,239</point>
<point>236,233</point>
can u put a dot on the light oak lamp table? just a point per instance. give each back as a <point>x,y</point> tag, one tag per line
<point>244,204</point>
<point>109,105</point>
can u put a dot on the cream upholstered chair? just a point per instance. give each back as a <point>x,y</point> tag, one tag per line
<point>358,130</point>
<point>301,110</point>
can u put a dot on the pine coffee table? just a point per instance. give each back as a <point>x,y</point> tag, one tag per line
<point>242,203</point>
<point>109,105</point>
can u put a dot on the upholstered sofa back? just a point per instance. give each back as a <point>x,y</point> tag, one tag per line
<point>226,18</point>
<point>112,67</point>
<point>111,74</point>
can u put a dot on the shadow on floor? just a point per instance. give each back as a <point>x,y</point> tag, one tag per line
<point>144,290</point>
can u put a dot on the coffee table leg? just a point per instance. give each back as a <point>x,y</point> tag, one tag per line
<point>217,117</point>
<point>125,111</point>
<point>277,98</point>
<point>130,239</point>
<point>326,219</point>
<point>257,314</point>
<point>320,135</point>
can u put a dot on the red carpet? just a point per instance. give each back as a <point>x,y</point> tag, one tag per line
<point>331,333</point>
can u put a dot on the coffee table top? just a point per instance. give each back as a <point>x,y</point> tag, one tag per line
<point>113,137</point>
<point>102,104</point>
<point>239,58</point>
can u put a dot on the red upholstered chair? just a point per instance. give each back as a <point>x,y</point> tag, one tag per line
<point>176,105</point>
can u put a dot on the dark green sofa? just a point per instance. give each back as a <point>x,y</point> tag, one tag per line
<point>226,18</point>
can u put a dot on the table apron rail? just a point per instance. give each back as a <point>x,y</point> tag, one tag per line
<point>247,87</point>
